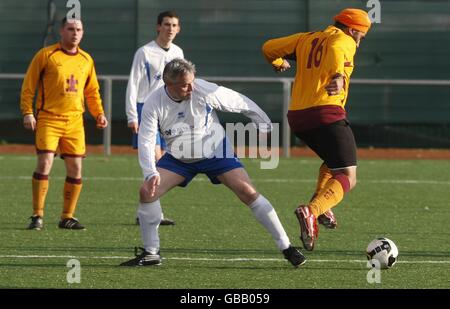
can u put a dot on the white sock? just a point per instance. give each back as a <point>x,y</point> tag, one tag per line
<point>162,215</point>
<point>149,218</point>
<point>267,216</point>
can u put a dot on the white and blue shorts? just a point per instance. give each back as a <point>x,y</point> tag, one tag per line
<point>211,167</point>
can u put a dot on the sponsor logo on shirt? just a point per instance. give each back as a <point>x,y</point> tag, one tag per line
<point>179,129</point>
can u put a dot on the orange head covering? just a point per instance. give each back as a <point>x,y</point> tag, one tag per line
<point>354,18</point>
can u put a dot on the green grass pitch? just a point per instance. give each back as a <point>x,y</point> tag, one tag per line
<point>216,242</point>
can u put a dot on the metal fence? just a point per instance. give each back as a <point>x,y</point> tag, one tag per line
<point>285,83</point>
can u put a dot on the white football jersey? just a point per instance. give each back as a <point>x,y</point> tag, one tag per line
<point>146,74</point>
<point>191,128</point>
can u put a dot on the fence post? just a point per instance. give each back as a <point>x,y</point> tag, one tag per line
<point>286,139</point>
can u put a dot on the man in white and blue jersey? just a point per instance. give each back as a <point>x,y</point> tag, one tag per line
<point>184,111</point>
<point>146,75</point>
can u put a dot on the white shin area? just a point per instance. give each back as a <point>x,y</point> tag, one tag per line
<point>150,215</point>
<point>267,216</point>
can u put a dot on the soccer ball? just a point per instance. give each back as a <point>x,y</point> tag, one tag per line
<point>382,250</point>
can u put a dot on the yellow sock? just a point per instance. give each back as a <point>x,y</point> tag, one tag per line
<point>324,176</point>
<point>331,194</point>
<point>72,189</point>
<point>39,184</point>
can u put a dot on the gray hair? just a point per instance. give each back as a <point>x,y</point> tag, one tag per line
<point>177,67</point>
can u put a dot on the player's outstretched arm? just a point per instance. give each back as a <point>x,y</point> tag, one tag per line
<point>276,51</point>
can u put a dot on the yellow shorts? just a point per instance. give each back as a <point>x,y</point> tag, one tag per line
<point>67,133</point>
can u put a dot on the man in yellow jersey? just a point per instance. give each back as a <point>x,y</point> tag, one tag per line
<point>316,113</point>
<point>64,76</point>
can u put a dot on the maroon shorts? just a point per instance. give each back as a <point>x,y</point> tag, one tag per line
<point>334,143</point>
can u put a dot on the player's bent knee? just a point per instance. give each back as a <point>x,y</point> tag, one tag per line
<point>144,195</point>
<point>74,172</point>
<point>248,196</point>
<point>352,183</point>
<point>44,166</point>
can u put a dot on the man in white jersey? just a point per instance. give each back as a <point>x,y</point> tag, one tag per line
<point>146,73</point>
<point>184,112</point>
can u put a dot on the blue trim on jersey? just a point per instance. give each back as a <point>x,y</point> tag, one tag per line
<point>147,70</point>
<point>159,140</point>
<point>211,167</point>
<point>208,111</point>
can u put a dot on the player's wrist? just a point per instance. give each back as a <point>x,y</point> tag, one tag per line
<point>28,117</point>
<point>265,127</point>
<point>150,176</point>
<point>337,76</point>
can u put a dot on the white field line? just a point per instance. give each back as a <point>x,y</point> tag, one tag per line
<point>211,259</point>
<point>33,158</point>
<point>261,180</point>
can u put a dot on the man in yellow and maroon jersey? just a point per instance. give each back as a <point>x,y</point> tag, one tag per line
<point>317,109</point>
<point>64,76</point>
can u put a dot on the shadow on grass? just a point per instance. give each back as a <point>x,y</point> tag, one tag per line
<point>211,252</point>
<point>282,266</point>
<point>429,254</point>
<point>91,249</point>
<point>54,226</point>
<point>52,265</point>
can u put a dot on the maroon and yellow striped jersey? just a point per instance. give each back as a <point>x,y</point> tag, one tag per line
<point>64,81</point>
<point>320,56</point>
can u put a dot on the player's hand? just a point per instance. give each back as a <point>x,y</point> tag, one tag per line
<point>336,85</point>
<point>102,122</point>
<point>29,122</point>
<point>133,126</point>
<point>151,185</point>
<point>280,65</point>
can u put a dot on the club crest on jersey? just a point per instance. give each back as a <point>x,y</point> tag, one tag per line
<point>157,77</point>
<point>72,82</point>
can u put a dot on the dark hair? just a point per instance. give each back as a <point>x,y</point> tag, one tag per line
<point>171,14</point>
<point>65,20</point>
<point>177,67</point>
<point>340,25</point>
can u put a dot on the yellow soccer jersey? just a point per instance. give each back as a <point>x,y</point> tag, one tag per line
<point>319,55</point>
<point>64,80</point>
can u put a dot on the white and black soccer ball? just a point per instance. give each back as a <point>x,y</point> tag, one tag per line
<point>384,251</point>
